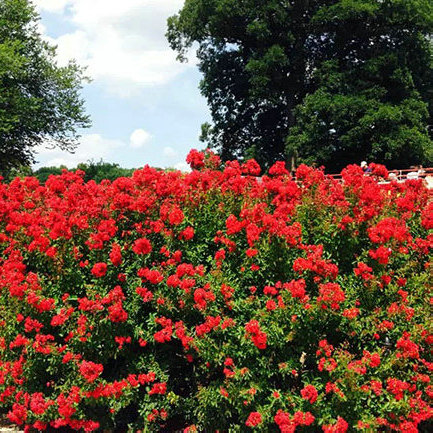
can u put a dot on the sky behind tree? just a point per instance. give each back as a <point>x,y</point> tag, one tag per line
<point>145,106</point>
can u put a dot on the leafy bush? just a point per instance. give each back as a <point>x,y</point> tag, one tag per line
<point>101,170</point>
<point>43,173</point>
<point>96,171</point>
<point>216,300</point>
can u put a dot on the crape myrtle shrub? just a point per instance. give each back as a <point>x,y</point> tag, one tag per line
<point>217,301</point>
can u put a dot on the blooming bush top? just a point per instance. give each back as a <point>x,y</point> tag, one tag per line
<point>214,301</point>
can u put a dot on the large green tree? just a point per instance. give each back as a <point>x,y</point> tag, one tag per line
<point>39,100</point>
<point>324,81</point>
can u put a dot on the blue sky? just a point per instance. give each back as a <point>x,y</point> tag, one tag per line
<point>145,106</point>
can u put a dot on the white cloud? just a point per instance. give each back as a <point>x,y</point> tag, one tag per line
<point>122,43</point>
<point>182,166</point>
<point>139,138</point>
<point>52,5</point>
<point>128,154</point>
<point>72,46</point>
<point>169,152</point>
<point>92,147</point>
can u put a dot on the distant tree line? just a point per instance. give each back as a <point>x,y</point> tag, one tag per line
<point>96,171</point>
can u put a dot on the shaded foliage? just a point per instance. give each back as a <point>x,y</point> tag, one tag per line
<point>96,171</point>
<point>329,82</point>
<point>101,170</point>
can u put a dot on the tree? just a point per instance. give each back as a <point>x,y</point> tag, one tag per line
<point>97,171</point>
<point>39,100</point>
<point>43,173</point>
<point>102,170</point>
<point>322,81</point>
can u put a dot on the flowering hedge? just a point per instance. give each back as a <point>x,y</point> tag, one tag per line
<point>217,301</point>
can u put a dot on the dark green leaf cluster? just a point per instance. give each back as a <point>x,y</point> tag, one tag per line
<point>39,100</point>
<point>101,170</point>
<point>96,171</point>
<point>329,82</point>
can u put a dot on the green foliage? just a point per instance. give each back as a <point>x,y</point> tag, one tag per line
<point>101,170</point>
<point>20,171</point>
<point>330,82</point>
<point>96,171</point>
<point>39,100</point>
<point>43,173</point>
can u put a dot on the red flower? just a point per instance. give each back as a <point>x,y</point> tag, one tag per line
<point>376,387</point>
<point>296,288</point>
<point>351,313</point>
<point>18,414</point>
<point>374,360</point>
<point>382,255</point>
<point>259,340</point>
<point>117,313</point>
<point>379,170</point>
<point>252,327</point>
<point>116,255</point>
<point>99,269</point>
<point>427,217</point>
<point>271,305</point>
<point>364,271</point>
<point>38,405</point>
<point>176,216</point>
<point>251,167</point>
<point>396,387</point>
<point>340,426</point>
<point>331,294</point>
<point>166,332</point>
<point>187,234</point>
<point>158,388</point>
<point>257,336</point>
<point>407,348</point>
<point>202,296</point>
<point>279,169</point>
<point>145,294</point>
<point>264,249</point>
<point>90,371</point>
<point>195,159</point>
<point>309,393</point>
<point>254,419</point>
<point>142,246</point>
<point>251,252</point>
<point>387,229</point>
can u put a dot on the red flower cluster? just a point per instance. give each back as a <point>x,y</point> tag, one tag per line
<point>90,371</point>
<point>288,424</point>
<point>99,269</point>
<point>254,419</point>
<point>217,301</point>
<point>309,393</point>
<point>258,337</point>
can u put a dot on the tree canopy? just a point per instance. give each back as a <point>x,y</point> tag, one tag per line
<point>39,100</point>
<point>329,82</point>
<point>93,170</point>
